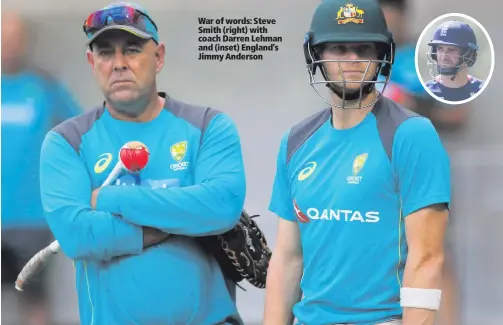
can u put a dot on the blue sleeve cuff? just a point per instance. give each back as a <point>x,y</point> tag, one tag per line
<point>282,213</point>
<point>131,235</point>
<point>426,203</point>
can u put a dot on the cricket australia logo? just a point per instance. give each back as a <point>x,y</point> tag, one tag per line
<point>178,151</point>
<point>358,164</point>
<point>350,14</point>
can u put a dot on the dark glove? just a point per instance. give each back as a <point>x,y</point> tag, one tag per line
<point>241,252</point>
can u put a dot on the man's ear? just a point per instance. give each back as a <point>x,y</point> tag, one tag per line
<point>160,55</point>
<point>90,57</point>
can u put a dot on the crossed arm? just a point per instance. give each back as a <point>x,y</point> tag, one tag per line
<point>82,232</point>
<point>127,218</point>
<point>211,206</point>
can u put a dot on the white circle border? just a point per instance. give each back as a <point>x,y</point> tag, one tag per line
<point>491,69</point>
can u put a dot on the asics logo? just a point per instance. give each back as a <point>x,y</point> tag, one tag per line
<point>307,171</point>
<point>102,163</point>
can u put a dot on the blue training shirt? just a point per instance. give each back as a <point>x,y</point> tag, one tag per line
<point>470,89</point>
<point>32,103</point>
<point>349,191</point>
<point>193,185</point>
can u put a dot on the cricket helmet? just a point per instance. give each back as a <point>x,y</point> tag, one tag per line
<point>453,33</point>
<point>340,21</point>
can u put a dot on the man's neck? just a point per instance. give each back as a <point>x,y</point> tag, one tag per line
<point>153,108</point>
<point>460,80</point>
<point>351,115</point>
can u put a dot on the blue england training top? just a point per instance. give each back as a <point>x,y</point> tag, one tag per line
<point>470,89</point>
<point>193,185</point>
<point>349,191</point>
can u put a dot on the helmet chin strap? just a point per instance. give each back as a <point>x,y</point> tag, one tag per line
<point>448,72</point>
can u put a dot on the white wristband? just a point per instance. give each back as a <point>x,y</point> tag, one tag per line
<point>420,298</point>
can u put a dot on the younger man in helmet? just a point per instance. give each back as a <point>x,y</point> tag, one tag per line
<point>453,50</point>
<point>362,190</point>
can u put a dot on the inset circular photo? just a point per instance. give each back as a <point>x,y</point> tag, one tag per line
<point>454,58</point>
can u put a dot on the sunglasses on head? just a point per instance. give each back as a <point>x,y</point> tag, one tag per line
<point>123,15</point>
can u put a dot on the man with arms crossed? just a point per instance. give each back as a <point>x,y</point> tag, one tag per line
<point>362,190</point>
<point>453,50</point>
<point>129,270</point>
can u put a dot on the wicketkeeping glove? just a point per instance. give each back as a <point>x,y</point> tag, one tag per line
<point>241,252</point>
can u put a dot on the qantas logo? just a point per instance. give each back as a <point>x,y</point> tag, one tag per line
<point>342,215</point>
<point>300,216</point>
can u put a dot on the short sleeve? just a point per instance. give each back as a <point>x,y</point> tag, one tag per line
<point>421,165</point>
<point>281,199</point>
